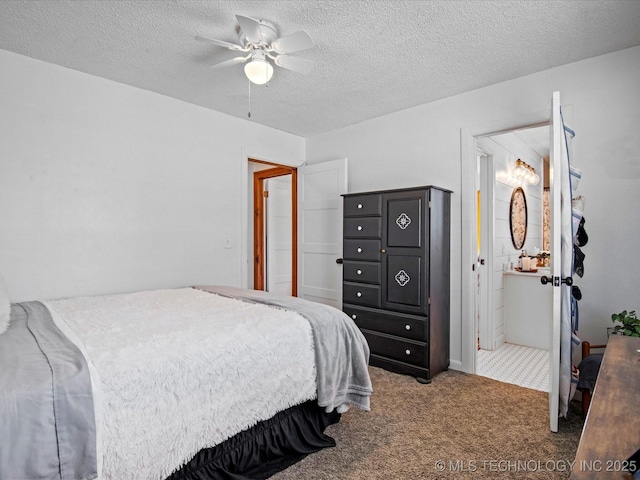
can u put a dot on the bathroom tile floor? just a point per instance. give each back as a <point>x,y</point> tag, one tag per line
<point>516,364</point>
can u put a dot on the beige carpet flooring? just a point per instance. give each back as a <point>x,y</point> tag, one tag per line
<point>460,426</point>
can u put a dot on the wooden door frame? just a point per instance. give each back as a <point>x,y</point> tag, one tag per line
<point>259,217</point>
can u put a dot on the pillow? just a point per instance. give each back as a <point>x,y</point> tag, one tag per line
<point>5,307</point>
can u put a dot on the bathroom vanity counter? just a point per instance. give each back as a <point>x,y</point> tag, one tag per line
<point>527,309</point>
<point>537,273</point>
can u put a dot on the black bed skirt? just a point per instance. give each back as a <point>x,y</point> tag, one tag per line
<point>264,449</point>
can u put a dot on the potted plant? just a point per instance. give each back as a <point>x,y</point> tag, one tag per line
<point>630,323</point>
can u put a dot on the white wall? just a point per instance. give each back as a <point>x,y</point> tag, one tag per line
<point>106,188</point>
<point>422,145</point>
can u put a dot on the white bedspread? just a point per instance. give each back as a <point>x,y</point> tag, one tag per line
<point>183,369</point>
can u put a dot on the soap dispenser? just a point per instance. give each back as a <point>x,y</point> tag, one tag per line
<point>525,261</point>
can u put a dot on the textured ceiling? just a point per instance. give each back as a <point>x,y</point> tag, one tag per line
<point>371,57</point>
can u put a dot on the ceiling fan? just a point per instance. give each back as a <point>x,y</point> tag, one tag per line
<point>259,40</point>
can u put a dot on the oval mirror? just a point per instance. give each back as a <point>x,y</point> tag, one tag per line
<point>518,218</point>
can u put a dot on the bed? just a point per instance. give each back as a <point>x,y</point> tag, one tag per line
<point>188,383</point>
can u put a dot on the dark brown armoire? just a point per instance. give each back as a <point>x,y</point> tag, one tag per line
<point>396,276</point>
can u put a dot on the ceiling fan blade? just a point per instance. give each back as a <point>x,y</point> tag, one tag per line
<point>295,64</point>
<point>222,43</point>
<point>251,28</point>
<point>293,43</point>
<point>230,62</point>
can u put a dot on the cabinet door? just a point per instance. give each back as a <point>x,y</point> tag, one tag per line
<point>404,250</point>
<point>403,280</point>
<point>404,221</point>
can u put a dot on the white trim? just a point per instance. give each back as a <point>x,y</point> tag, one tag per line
<point>455,365</point>
<point>486,186</point>
<point>245,219</point>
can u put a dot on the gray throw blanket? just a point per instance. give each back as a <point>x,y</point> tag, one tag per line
<point>341,351</point>
<point>47,423</point>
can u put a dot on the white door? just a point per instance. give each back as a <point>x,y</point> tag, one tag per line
<point>484,266</point>
<point>320,187</point>
<point>555,175</point>
<point>278,235</point>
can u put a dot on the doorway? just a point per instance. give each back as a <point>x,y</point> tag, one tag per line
<point>275,251</point>
<point>504,349</point>
<point>560,335</point>
<point>316,227</point>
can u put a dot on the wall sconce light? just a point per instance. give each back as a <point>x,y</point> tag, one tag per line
<point>525,173</point>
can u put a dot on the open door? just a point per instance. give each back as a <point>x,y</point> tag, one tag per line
<point>561,267</point>
<point>278,235</point>
<point>556,258</point>
<point>320,187</point>
<point>485,236</point>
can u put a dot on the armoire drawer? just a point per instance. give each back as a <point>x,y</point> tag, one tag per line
<point>408,351</point>
<point>362,227</point>
<point>365,272</point>
<point>361,205</point>
<point>361,249</point>
<point>398,324</point>
<point>361,294</point>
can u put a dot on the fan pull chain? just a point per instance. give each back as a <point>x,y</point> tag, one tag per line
<point>249,112</point>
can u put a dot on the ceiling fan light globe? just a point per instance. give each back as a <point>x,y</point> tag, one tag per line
<point>258,71</point>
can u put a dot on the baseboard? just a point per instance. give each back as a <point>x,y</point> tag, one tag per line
<point>456,365</point>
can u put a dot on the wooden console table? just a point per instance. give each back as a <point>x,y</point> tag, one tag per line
<point>611,432</point>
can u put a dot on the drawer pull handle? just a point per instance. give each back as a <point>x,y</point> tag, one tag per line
<point>359,250</point>
<point>359,272</point>
<point>354,316</point>
<point>408,352</point>
<point>408,327</point>
<point>359,294</point>
<point>359,227</point>
<point>360,206</point>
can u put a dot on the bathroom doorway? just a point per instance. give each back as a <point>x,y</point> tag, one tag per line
<point>553,117</point>
<point>504,351</point>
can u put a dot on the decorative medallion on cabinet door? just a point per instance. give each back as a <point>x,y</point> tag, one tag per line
<point>396,276</point>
